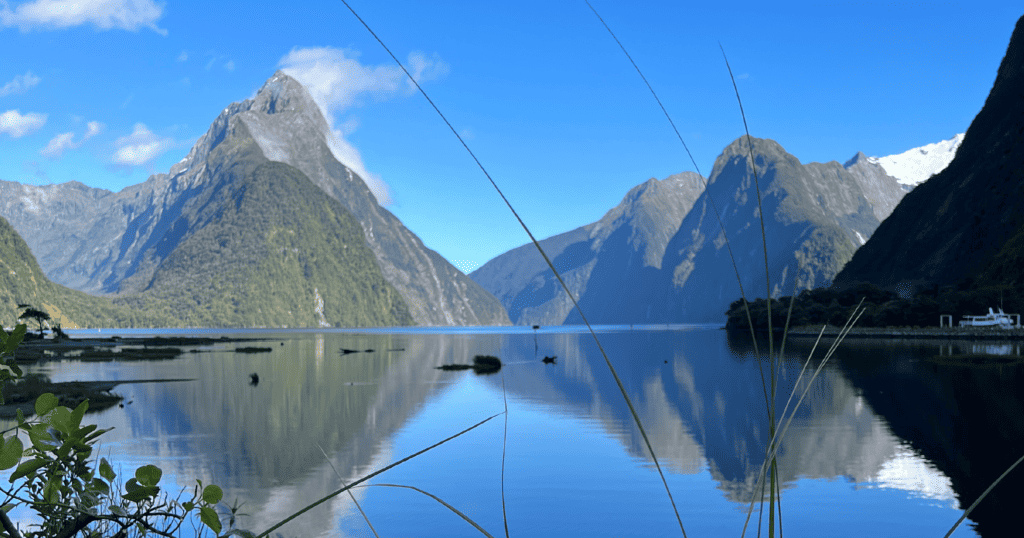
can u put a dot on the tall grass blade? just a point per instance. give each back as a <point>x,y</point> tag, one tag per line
<point>775,488</point>
<point>776,440</point>
<point>436,498</point>
<point>369,476</point>
<point>504,442</point>
<point>353,497</point>
<point>714,206</point>
<point>757,187</point>
<point>547,260</point>
<point>982,496</point>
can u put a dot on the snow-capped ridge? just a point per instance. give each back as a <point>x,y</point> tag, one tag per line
<point>916,165</point>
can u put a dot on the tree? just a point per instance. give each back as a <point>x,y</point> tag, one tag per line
<point>36,314</point>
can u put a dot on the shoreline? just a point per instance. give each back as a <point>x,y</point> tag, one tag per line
<point>947,333</point>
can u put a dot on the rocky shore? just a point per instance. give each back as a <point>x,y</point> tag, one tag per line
<point>22,393</point>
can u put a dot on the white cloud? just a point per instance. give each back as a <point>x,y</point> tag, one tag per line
<point>103,14</point>
<point>230,65</point>
<point>92,129</point>
<point>65,141</point>
<point>183,56</point>
<point>20,84</point>
<point>140,147</point>
<point>58,145</point>
<point>336,78</point>
<point>17,125</point>
<point>337,81</point>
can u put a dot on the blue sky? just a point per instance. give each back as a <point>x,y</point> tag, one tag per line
<point>112,91</point>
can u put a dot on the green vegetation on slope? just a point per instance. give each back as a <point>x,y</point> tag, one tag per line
<point>276,248</point>
<point>23,282</point>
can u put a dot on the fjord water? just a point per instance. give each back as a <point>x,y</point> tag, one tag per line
<point>888,442</point>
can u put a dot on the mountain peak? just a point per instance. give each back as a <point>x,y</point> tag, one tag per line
<point>762,146</point>
<point>282,93</point>
<point>858,158</point>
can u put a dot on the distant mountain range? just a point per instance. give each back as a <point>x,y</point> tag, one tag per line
<point>631,237</point>
<point>661,256</point>
<point>916,165</point>
<point>965,225</point>
<point>195,242</point>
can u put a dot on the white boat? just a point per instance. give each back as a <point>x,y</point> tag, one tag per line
<point>992,319</point>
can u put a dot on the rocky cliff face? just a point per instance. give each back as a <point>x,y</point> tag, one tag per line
<point>103,242</point>
<point>965,224</point>
<point>628,241</point>
<point>881,190</point>
<point>661,255</point>
<point>815,217</point>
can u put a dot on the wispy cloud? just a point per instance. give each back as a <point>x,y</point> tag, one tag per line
<point>230,65</point>
<point>17,125</point>
<point>20,84</point>
<point>337,81</point>
<point>140,147</point>
<point>65,141</point>
<point>103,14</point>
<point>183,56</point>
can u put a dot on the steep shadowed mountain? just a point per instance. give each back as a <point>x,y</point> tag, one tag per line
<point>816,217</point>
<point>103,242</point>
<point>23,282</point>
<point>627,244</point>
<point>965,224</point>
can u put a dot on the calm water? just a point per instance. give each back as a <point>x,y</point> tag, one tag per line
<point>888,443</point>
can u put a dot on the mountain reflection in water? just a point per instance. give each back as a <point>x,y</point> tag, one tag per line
<point>884,438</point>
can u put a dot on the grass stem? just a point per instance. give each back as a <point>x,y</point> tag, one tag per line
<point>369,476</point>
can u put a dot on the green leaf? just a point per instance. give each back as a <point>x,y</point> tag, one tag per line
<point>212,494</point>
<point>132,485</point>
<point>11,452</point>
<point>13,339</point>
<point>209,517</point>
<point>140,493</point>
<point>21,416</point>
<point>51,493</point>
<point>42,439</point>
<point>93,436</point>
<point>100,486</point>
<point>118,511</point>
<point>60,419</point>
<point>78,413</point>
<point>148,475</point>
<point>188,506</point>
<point>106,471</point>
<point>45,403</point>
<point>27,467</point>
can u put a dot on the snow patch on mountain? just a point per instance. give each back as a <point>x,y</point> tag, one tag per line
<point>915,166</point>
